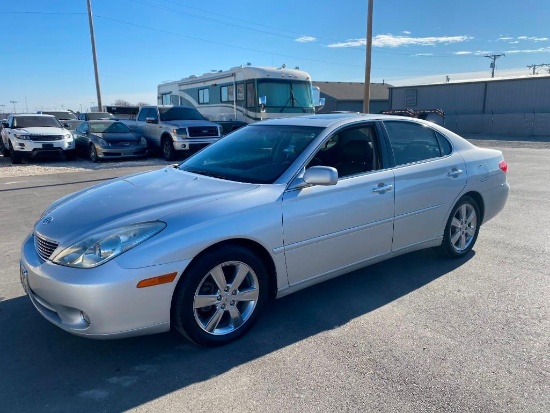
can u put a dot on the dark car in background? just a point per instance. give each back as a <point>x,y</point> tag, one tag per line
<point>107,139</point>
<point>96,116</point>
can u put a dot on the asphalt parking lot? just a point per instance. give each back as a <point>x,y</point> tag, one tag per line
<point>418,333</point>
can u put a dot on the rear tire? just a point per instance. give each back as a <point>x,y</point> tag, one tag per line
<point>5,151</point>
<point>168,149</point>
<point>220,296</point>
<point>70,155</point>
<point>462,229</point>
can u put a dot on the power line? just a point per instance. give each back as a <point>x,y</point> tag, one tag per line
<point>535,67</point>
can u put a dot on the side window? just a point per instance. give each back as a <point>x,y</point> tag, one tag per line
<point>444,145</point>
<point>351,151</point>
<point>250,95</point>
<point>240,91</point>
<point>143,114</point>
<point>412,142</point>
<point>204,96</point>
<point>226,93</point>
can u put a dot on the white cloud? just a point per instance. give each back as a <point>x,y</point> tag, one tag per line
<point>463,53</point>
<point>389,40</point>
<point>406,32</point>
<point>305,39</point>
<point>539,50</point>
<point>423,54</point>
<point>505,38</point>
<point>514,40</point>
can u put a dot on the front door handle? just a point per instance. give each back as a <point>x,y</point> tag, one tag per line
<point>453,173</point>
<point>382,188</point>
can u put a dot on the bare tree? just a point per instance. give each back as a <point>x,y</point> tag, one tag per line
<point>142,104</point>
<point>122,102</point>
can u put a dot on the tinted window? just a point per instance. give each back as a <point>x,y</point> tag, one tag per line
<point>444,145</point>
<point>250,95</point>
<point>226,93</point>
<point>144,114</point>
<point>179,113</point>
<point>351,151</point>
<point>256,153</point>
<point>412,142</point>
<point>35,121</point>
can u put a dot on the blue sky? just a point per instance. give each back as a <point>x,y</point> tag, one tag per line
<point>46,58</point>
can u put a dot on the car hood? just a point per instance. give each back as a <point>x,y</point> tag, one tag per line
<point>185,123</point>
<point>118,137</point>
<point>43,131</point>
<point>128,200</point>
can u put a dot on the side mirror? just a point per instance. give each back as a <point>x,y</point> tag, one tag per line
<point>5,125</point>
<point>321,104</point>
<point>316,175</point>
<point>263,102</point>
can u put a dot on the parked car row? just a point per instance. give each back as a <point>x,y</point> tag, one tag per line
<point>171,130</point>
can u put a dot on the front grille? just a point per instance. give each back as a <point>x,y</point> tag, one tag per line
<point>124,144</point>
<point>45,138</point>
<point>198,131</point>
<point>44,247</point>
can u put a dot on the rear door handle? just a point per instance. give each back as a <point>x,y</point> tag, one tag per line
<point>453,173</point>
<point>382,188</point>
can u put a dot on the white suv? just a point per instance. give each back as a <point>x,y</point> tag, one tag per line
<point>29,134</point>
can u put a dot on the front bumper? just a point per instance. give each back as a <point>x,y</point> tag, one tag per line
<point>121,152</point>
<point>101,302</point>
<point>193,144</point>
<point>32,147</point>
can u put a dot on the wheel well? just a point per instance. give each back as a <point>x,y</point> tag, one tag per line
<point>257,249</point>
<point>165,136</point>
<point>479,199</point>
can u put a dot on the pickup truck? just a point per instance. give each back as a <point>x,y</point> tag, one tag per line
<point>174,129</point>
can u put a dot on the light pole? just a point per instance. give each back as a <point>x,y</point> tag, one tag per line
<point>14,102</point>
<point>96,71</point>
<point>366,98</point>
<point>2,106</point>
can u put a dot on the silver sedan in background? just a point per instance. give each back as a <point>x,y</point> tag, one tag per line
<point>270,209</point>
<point>108,139</point>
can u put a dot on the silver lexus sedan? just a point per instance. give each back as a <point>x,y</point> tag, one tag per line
<point>270,209</point>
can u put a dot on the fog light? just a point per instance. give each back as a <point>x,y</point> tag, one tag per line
<point>85,318</point>
<point>183,146</point>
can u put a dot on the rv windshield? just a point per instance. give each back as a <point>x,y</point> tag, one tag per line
<point>288,95</point>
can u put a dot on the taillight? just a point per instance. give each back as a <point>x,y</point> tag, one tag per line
<point>503,166</point>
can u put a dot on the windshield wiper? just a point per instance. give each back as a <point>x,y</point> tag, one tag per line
<point>292,99</point>
<point>206,173</point>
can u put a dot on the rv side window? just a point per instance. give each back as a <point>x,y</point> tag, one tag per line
<point>226,93</point>
<point>250,95</point>
<point>240,91</point>
<point>204,96</point>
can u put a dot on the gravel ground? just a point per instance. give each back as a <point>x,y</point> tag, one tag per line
<point>56,165</point>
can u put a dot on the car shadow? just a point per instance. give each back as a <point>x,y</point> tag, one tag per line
<point>45,367</point>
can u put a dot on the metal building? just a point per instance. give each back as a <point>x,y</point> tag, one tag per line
<point>517,106</point>
<point>349,96</point>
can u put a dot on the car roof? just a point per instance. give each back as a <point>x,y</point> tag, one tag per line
<point>324,120</point>
<point>103,121</point>
<point>33,115</point>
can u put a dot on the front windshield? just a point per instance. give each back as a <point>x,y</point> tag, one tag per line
<point>253,154</point>
<point>179,113</point>
<point>289,96</point>
<point>35,122</point>
<point>99,115</point>
<point>62,115</point>
<point>109,127</point>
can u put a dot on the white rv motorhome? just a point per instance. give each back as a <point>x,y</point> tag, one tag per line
<point>243,94</point>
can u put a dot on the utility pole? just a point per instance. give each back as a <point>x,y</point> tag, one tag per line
<point>14,102</point>
<point>96,72</point>
<point>494,58</point>
<point>366,98</point>
<point>2,106</point>
<point>535,67</point>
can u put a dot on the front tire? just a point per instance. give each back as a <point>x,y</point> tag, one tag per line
<point>14,155</point>
<point>92,153</point>
<point>462,229</point>
<point>5,151</point>
<point>220,296</point>
<point>168,149</point>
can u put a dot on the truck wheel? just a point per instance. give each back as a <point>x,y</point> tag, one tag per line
<point>168,149</point>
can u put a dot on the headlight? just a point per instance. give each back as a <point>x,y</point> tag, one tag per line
<point>100,248</point>
<point>69,137</point>
<point>21,136</point>
<point>102,142</point>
